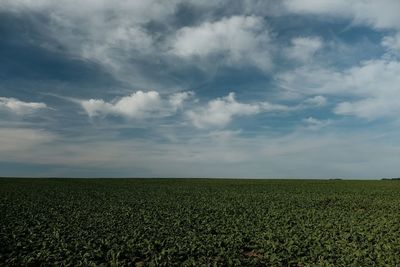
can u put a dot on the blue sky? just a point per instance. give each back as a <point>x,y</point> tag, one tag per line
<point>184,88</point>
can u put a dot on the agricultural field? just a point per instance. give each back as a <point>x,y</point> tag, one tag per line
<point>192,222</point>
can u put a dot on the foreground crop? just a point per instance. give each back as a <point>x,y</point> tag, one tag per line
<point>171,222</point>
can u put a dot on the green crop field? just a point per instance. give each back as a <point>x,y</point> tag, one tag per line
<point>192,222</point>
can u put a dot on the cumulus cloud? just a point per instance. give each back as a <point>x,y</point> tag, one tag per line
<point>217,113</point>
<point>238,39</point>
<point>378,14</point>
<point>138,105</point>
<point>303,48</point>
<point>220,112</point>
<point>20,107</point>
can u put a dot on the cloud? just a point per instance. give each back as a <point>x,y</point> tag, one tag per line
<point>177,100</point>
<point>125,37</point>
<point>318,101</point>
<point>310,79</point>
<point>220,112</point>
<point>376,84</point>
<point>316,124</point>
<point>304,48</point>
<point>369,108</point>
<point>238,39</point>
<point>224,154</point>
<point>141,11</point>
<point>18,107</point>
<point>119,36</point>
<point>392,43</point>
<point>114,35</point>
<point>22,140</point>
<point>123,40</point>
<point>138,105</point>
<point>372,85</point>
<point>158,44</point>
<point>378,14</point>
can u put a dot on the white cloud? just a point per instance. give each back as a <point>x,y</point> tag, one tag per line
<point>318,101</point>
<point>111,46</point>
<point>138,105</point>
<point>310,79</point>
<point>392,43</point>
<point>178,99</point>
<point>316,124</point>
<point>304,48</point>
<point>381,14</point>
<point>95,107</point>
<point>20,107</point>
<point>374,84</point>
<point>370,108</point>
<point>220,112</point>
<point>239,39</point>
<point>116,34</point>
<point>112,34</point>
<point>140,11</point>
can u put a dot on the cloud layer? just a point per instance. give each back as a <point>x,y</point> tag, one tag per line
<point>233,88</point>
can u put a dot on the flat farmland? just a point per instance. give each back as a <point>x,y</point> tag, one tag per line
<point>192,222</point>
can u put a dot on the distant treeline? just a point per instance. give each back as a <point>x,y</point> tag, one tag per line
<point>391,178</point>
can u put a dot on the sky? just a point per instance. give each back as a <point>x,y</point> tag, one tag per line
<point>187,88</point>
